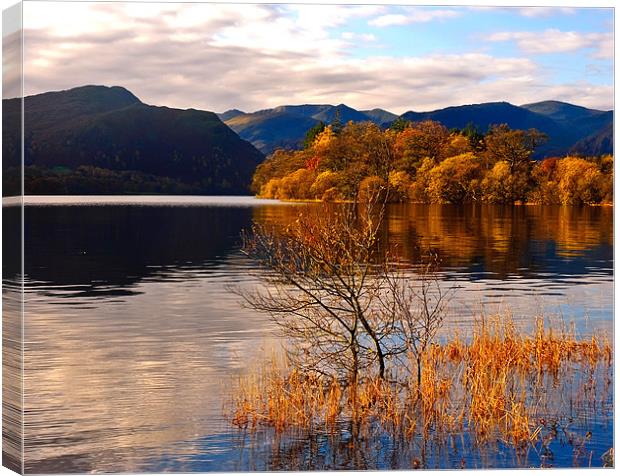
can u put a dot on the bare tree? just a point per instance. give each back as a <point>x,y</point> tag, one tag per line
<point>420,305</point>
<point>337,295</point>
<point>326,274</point>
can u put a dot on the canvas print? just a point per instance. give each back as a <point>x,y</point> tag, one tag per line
<point>286,237</point>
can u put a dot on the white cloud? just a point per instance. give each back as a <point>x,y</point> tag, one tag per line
<point>545,11</point>
<point>557,41</point>
<point>326,16</point>
<point>351,36</point>
<point>216,57</point>
<point>415,15</point>
<point>528,12</point>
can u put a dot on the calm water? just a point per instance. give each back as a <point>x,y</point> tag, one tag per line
<point>132,339</point>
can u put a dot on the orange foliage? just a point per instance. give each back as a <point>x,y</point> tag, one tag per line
<point>424,162</point>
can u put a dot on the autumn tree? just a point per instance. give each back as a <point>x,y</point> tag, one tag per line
<point>276,166</point>
<point>454,180</point>
<point>418,141</point>
<point>500,186</point>
<point>419,189</point>
<point>545,182</point>
<point>296,185</point>
<point>324,182</point>
<point>580,181</point>
<point>372,187</point>
<point>425,162</point>
<point>515,147</point>
<point>399,183</point>
<point>359,150</point>
<point>457,144</point>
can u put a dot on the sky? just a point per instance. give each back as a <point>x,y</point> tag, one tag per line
<point>250,57</point>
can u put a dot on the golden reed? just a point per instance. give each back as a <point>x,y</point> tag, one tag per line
<point>499,384</point>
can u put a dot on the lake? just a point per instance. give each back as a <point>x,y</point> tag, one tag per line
<point>133,339</point>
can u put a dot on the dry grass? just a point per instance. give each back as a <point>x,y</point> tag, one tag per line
<point>499,384</point>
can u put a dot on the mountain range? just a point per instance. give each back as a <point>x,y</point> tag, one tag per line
<point>102,140</point>
<point>570,128</point>
<point>128,146</point>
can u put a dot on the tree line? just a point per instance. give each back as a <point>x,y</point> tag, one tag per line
<point>426,162</point>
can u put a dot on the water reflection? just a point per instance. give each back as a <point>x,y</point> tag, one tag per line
<point>131,335</point>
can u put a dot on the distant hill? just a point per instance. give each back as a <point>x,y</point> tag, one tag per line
<point>590,130</point>
<point>230,114</point>
<point>381,116</point>
<point>600,142</point>
<point>561,111</point>
<point>98,140</point>
<point>286,126</point>
<point>565,124</point>
<point>272,129</point>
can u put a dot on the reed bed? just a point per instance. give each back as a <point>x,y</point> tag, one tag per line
<point>498,385</point>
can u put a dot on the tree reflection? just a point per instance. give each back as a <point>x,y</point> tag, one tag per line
<point>495,239</point>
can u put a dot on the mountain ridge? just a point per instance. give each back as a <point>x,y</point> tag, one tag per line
<point>105,137</point>
<point>566,124</point>
<point>93,138</point>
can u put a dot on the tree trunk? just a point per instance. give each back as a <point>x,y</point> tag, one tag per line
<point>419,374</point>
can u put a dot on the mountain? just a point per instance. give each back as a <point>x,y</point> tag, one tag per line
<point>98,140</point>
<point>483,115</point>
<point>592,129</point>
<point>599,143</point>
<point>565,124</point>
<point>381,116</point>
<point>230,114</point>
<point>561,111</point>
<point>286,126</point>
<point>272,129</point>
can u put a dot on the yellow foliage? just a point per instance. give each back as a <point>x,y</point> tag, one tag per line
<point>296,185</point>
<point>418,191</point>
<point>270,189</point>
<point>580,181</point>
<point>323,139</point>
<point>325,181</point>
<point>451,180</point>
<point>424,162</point>
<point>372,188</point>
<point>501,186</point>
<point>458,144</point>
<point>399,182</point>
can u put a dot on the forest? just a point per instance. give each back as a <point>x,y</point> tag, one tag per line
<point>428,163</point>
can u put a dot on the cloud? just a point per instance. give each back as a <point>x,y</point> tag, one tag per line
<point>415,15</point>
<point>557,41</point>
<point>217,57</point>
<point>350,36</point>
<point>528,12</point>
<point>11,65</point>
<point>532,12</point>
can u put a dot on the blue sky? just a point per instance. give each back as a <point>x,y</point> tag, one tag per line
<point>470,28</point>
<point>251,57</point>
